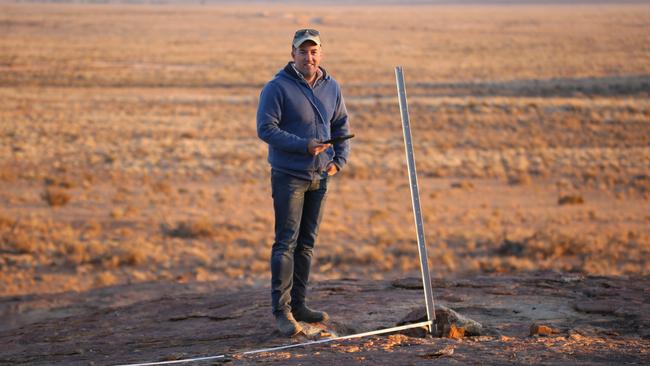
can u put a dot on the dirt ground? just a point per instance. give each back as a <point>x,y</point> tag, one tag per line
<point>129,159</point>
<point>533,318</point>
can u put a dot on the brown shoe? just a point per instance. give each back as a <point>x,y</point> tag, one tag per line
<point>307,315</point>
<point>287,325</point>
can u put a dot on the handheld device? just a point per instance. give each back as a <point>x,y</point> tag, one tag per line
<point>337,139</point>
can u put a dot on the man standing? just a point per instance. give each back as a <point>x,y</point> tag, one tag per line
<point>300,107</point>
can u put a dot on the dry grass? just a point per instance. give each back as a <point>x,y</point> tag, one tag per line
<point>153,138</point>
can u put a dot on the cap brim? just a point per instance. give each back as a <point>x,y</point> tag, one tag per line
<point>305,38</point>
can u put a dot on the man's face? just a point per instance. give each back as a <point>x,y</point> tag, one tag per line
<point>307,58</point>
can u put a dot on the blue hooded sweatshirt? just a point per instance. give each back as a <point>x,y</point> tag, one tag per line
<point>290,113</point>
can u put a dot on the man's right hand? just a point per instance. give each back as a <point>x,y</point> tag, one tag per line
<point>316,147</point>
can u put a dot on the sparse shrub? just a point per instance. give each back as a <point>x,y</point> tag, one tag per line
<point>202,275</point>
<point>236,251</point>
<point>76,252</point>
<point>190,230</point>
<point>58,182</point>
<point>110,262</point>
<point>219,197</point>
<point>19,237</point>
<point>377,215</point>
<point>368,254</point>
<point>197,255</point>
<point>133,256</point>
<point>162,188</point>
<point>88,178</point>
<point>92,228</point>
<point>105,278</point>
<point>519,179</point>
<point>18,241</point>
<point>189,135</point>
<point>130,211</point>
<point>571,199</point>
<point>234,272</point>
<point>463,184</point>
<point>122,212</point>
<point>258,267</point>
<point>117,213</point>
<point>450,260</point>
<point>510,247</point>
<point>554,246</point>
<point>121,196</point>
<point>56,197</point>
<point>640,183</point>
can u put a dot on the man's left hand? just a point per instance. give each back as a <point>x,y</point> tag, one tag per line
<point>332,169</point>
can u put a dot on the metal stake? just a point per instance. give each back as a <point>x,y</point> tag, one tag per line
<point>287,346</point>
<point>415,198</point>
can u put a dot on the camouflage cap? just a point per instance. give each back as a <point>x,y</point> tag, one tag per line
<point>303,35</point>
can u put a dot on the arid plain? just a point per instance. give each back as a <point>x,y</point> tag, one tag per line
<point>128,150</point>
<point>135,211</point>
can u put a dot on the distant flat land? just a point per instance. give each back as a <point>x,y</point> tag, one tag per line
<point>128,150</point>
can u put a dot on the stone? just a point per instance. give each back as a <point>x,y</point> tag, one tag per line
<point>455,332</point>
<point>445,319</point>
<point>542,330</point>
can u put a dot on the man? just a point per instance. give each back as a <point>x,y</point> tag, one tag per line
<point>300,107</point>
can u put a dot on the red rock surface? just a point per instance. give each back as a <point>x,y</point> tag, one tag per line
<point>157,321</point>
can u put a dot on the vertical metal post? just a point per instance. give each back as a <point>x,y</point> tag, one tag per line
<point>415,198</point>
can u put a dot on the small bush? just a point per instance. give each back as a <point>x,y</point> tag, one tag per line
<point>519,179</point>
<point>161,187</point>
<point>105,278</point>
<point>463,184</point>
<point>571,199</point>
<point>190,230</point>
<point>58,182</point>
<point>55,197</point>
<point>133,256</point>
<point>511,248</point>
<point>17,241</point>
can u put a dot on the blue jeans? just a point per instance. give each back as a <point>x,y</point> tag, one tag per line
<point>298,206</point>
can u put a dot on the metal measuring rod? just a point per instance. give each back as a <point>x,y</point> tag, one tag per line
<point>415,199</point>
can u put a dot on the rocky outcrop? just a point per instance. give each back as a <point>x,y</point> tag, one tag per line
<point>528,318</point>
